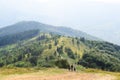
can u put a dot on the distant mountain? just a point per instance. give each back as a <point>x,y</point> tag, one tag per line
<point>33,25</point>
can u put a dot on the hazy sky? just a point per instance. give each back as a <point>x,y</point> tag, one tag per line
<point>100,18</point>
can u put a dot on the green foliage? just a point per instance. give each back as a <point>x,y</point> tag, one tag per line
<point>70,53</point>
<point>44,63</point>
<point>13,38</point>
<point>50,50</point>
<point>1,64</point>
<point>100,61</point>
<point>41,37</point>
<point>82,39</point>
<point>62,63</point>
<point>60,50</point>
<point>50,46</point>
<point>33,60</point>
<point>56,43</point>
<point>22,64</point>
<point>48,61</point>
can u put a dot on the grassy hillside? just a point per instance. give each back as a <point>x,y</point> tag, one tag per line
<point>50,50</point>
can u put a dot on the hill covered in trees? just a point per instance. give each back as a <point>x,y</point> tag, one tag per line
<point>34,48</point>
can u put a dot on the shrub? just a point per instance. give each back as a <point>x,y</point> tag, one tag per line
<point>100,61</point>
<point>62,63</point>
<point>22,64</point>
<point>70,53</point>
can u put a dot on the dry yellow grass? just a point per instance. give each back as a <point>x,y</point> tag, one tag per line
<point>56,74</point>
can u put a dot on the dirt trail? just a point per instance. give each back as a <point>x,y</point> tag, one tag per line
<point>67,76</point>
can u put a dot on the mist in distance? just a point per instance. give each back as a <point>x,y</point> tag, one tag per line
<point>99,18</point>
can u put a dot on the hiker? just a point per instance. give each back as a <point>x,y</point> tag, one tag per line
<point>72,68</point>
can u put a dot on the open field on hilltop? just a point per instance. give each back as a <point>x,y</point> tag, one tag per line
<point>55,74</point>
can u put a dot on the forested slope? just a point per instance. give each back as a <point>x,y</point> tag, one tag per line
<point>38,49</point>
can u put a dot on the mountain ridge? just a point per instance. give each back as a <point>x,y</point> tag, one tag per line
<point>30,25</point>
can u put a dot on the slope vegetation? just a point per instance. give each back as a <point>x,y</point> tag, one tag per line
<point>51,50</point>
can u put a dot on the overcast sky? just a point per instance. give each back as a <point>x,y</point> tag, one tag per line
<point>100,18</point>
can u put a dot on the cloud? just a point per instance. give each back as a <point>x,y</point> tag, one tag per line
<point>55,1</point>
<point>91,16</point>
<point>107,1</point>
